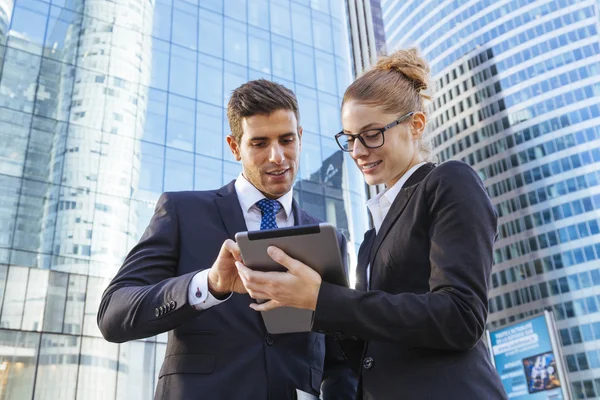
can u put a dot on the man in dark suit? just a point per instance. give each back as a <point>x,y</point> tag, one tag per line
<point>181,276</point>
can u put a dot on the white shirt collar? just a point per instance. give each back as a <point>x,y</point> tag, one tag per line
<point>380,204</point>
<point>248,195</point>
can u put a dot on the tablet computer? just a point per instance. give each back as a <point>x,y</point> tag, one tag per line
<point>314,245</point>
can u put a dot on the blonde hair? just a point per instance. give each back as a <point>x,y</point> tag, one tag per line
<point>396,83</point>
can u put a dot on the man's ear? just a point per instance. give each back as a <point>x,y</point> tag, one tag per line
<point>300,136</point>
<point>234,147</point>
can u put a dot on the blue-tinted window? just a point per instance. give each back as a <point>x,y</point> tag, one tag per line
<point>236,9</point>
<point>258,13</point>
<point>304,65</point>
<point>259,50</point>
<point>185,27</point>
<point>302,24</point>
<point>210,80</point>
<point>160,64</point>
<point>182,77</point>
<point>152,167</point>
<point>210,33</point>
<point>181,123</point>
<point>156,117</point>
<point>179,170</point>
<point>565,337</point>
<point>235,47</point>
<point>161,25</point>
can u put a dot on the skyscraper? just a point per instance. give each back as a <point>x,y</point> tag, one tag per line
<point>518,98</point>
<point>103,106</point>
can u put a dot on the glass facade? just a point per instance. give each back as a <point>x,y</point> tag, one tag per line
<point>103,106</point>
<point>518,98</point>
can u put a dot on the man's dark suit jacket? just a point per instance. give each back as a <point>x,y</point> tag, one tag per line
<point>424,316</point>
<point>223,352</point>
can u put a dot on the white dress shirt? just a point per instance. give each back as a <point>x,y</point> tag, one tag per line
<point>248,196</point>
<point>380,205</point>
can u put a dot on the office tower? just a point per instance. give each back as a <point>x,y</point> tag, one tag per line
<point>104,105</point>
<point>518,98</point>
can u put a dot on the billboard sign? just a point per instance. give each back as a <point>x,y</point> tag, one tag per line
<point>527,358</point>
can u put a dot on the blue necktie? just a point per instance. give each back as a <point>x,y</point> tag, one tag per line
<point>269,209</point>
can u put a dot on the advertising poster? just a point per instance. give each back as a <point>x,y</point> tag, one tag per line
<point>528,360</point>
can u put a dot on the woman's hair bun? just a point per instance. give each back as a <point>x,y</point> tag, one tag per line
<point>409,63</point>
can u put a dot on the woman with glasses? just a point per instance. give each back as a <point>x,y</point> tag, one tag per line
<point>419,310</point>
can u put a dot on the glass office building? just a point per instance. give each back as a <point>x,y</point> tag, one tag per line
<point>518,98</point>
<point>103,106</point>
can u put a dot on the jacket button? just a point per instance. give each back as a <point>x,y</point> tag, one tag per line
<point>173,304</point>
<point>157,312</point>
<point>269,340</point>
<point>163,310</point>
<point>368,363</point>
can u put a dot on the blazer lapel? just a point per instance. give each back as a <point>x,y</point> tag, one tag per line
<point>364,254</point>
<point>231,213</point>
<point>396,210</point>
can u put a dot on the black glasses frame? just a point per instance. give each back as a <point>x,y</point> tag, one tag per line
<point>362,140</point>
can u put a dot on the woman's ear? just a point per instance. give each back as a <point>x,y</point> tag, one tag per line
<point>419,120</point>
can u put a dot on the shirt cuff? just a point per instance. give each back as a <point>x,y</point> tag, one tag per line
<point>198,294</point>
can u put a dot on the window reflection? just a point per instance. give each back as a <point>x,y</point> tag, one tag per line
<point>258,13</point>
<point>14,298</point>
<point>309,108</point>
<point>152,167</point>
<point>235,42</point>
<point>179,170</point>
<point>162,20</point>
<point>304,65</point>
<point>310,157</point>
<point>17,363</point>
<point>209,130</point>
<point>236,9</point>
<point>61,22</point>
<point>55,302</point>
<point>302,24</point>
<point>29,21</point>
<point>160,64</point>
<point>210,32</point>
<point>97,375</point>
<point>282,57</point>
<point>325,65</point>
<point>234,76</point>
<point>209,172</point>
<point>183,72</point>
<point>329,114</point>
<point>35,300</point>
<point>74,308</point>
<point>136,366</point>
<point>210,80</point>
<point>180,126</point>
<point>156,117</point>
<point>281,22</point>
<point>56,375</point>
<point>185,27</point>
<point>259,50</point>
<point>322,31</point>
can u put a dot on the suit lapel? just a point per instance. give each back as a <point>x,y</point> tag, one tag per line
<point>231,213</point>
<point>396,210</point>
<point>299,214</point>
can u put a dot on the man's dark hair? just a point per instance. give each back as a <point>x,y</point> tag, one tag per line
<point>258,97</point>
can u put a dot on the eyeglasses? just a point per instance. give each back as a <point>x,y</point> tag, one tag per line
<point>371,139</point>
